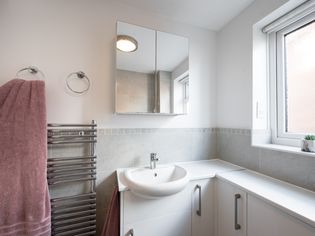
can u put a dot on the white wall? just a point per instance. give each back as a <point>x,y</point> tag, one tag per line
<point>61,37</point>
<point>234,65</point>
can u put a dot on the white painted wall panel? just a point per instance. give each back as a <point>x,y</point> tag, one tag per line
<point>61,37</point>
<point>234,65</point>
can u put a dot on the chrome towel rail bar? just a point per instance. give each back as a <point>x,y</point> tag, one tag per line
<point>50,130</point>
<point>72,125</point>
<point>52,182</point>
<point>75,231</point>
<point>70,163</point>
<point>73,214</point>
<point>51,176</point>
<point>76,225</point>
<point>86,195</point>
<point>56,159</point>
<point>75,208</point>
<point>69,221</point>
<point>51,136</point>
<point>61,170</point>
<point>56,205</point>
<point>71,142</point>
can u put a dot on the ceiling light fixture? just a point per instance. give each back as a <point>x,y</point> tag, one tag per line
<point>126,43</point>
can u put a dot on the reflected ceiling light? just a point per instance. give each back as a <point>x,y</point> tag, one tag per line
<point>126,43</point>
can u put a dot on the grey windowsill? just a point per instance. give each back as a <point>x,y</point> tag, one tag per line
<point>283,148</point>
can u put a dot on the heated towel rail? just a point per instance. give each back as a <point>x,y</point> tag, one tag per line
<point>71,178</point>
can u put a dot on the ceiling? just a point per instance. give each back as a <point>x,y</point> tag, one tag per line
<point>209,14</point>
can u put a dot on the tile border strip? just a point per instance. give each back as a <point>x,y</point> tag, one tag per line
<point>124,131</point>
<point>246,132</point>
<point>127,131</point>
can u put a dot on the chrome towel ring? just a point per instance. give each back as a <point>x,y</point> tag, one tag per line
<point>32,70</point>
<point>79,75</point>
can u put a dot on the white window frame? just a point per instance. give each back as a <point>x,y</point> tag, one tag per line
<point>186,91</point>
<point>301,16</point>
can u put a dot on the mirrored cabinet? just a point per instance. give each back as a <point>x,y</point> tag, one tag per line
<point>152,71</point>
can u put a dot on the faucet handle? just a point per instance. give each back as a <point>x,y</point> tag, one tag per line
<point>153,160</point>
<point>153,156</point>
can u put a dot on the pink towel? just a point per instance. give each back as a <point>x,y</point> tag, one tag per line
<point>24,196</point>
<point>111,226</point>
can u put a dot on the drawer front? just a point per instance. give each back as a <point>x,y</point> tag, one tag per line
<point>137,208</point>
<point>172,224</point>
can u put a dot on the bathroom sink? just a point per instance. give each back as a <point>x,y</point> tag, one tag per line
<point>159,182</point>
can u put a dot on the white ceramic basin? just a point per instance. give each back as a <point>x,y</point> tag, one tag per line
<point>158,182</point>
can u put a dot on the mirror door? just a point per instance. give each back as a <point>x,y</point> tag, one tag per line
<point>152,71</point>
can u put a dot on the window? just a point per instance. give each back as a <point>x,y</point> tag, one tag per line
<point>185,91</point>
<point>292,77</point>
<point>300,80</point>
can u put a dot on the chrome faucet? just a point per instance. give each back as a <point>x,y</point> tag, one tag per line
<point>153,160</point>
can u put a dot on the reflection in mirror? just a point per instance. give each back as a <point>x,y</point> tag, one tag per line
<point>152,74</point>
<point>172,72</point>
<point>135,71</point>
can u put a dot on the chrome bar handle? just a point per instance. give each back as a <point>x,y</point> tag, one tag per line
<point>237,226</point>
<point>198,212</point>
<point>130,232</point>
<point>92,153</point>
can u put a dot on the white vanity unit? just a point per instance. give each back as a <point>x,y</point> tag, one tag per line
<point>266,206</point>
<point>220,199</point>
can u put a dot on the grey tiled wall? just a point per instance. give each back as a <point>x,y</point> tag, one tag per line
<point>118,148</point>
<point>234,145</point>
<point>121,148</point>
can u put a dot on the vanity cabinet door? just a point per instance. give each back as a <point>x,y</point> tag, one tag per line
<point>265,220</point>
<point>203,207</point>
<point>231,210</point>
<point>165,216</point>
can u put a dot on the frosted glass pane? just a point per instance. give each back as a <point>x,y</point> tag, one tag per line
<point>300,78</point>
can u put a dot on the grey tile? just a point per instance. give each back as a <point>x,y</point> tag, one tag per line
<point>236,148</point>
<point>204,146</point>
<point>234,145</point>
<point>292,168</point>
<point>172,146</point>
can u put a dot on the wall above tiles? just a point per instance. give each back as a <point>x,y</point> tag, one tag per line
<point>234,65</point>
<point>64,36</point>
<point>209,14</point>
